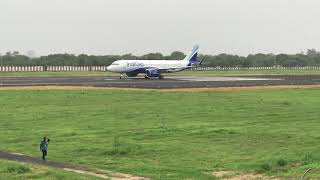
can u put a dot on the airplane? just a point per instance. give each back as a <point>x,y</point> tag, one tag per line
<point>155,68</point>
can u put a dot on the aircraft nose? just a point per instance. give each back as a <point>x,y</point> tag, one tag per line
<point>110,68</point>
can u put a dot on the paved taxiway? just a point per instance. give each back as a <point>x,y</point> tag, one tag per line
<point>168,82</point>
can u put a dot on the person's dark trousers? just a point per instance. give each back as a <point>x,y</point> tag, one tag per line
<point>44,154</point>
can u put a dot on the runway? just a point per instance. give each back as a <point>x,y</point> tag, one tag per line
<point>167,83</point>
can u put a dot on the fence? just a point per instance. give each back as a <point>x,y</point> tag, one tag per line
<point>253,68</point>
<point>103,68</point>
<point>52,68</point>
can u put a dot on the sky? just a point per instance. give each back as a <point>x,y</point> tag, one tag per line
<point>101,27</point>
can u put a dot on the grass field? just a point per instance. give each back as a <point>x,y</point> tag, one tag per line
<point>204,73</point>
<point>168,135</point>
<point>16,170</point>
<point>250,72</point>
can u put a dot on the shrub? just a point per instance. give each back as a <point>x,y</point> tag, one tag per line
<point>16,168</point>
<point>286,103</point>
<point>264,167</point>
<point>281,162</point>
<point>121,147</point>
<point>308,159</point>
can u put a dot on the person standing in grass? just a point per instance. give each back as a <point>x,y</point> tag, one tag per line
<point>44,147</point>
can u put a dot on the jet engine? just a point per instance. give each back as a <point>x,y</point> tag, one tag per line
<point>153,73</point>
<point>133,74</point>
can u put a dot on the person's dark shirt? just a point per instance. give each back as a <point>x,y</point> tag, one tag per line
<point>44,145</point>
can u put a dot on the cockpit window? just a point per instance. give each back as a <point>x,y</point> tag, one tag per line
<point>115,64</point>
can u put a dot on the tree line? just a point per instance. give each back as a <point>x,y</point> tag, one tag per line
<point>310,58</point>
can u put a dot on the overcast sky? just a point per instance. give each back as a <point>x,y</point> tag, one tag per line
<point>139,26</point>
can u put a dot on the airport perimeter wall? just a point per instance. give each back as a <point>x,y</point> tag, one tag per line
<point>103,68</point>
<point>253,68</point>
<point>51,68</point>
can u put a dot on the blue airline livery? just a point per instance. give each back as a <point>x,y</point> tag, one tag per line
<point>154,68</point>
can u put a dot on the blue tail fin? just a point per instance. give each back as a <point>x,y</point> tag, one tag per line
<point>192,57</point>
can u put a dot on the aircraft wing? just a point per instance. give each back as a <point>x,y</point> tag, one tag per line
<point>166,70</point>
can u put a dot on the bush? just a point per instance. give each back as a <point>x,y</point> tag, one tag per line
<point>308,159</point>
<point>16,168</point>
<point>264,167</point>
<point>281,162</point>
<point>286,103</point>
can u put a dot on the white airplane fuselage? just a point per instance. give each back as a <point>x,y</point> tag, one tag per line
<point>154,68</point>
<point>126,66</point>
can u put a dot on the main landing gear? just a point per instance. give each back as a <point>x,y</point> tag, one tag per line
<point>147,77</point>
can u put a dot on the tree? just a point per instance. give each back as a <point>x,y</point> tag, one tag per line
<point>311,58</point>
<point>82,60</point>
<point>152,56</point>
<point>280,59</point>
<point>177,55</point>
<point>15,53</point>
<point>312,53</point>
<point>128,57</point>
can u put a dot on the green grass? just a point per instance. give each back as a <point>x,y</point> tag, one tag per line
<point>250,72</point>
<point>176,135</point>
<point>17,170</point>
<point>210,73</point>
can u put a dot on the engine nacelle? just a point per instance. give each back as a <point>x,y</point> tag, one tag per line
<point>134,74</point>
<point>153,72</point>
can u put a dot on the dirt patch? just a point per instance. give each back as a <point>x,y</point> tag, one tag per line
<point>161,90</point>
<point>87,173</point>
<point>106,175</point>
<point>233,175</point>
<point>221,174</point>
<point>252,177</point>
